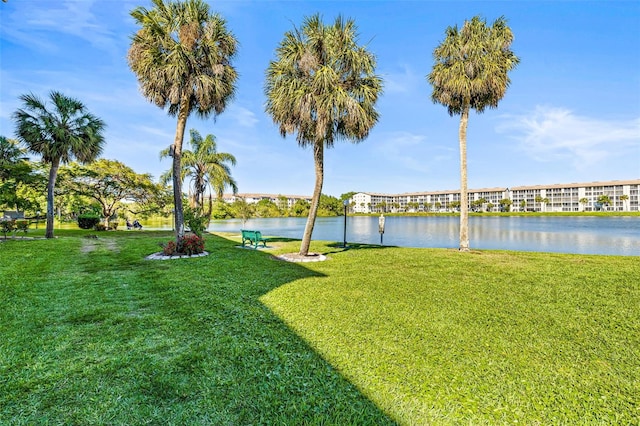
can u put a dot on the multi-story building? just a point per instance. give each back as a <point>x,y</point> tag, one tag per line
<point>592,196</point>
<point>277,199</point>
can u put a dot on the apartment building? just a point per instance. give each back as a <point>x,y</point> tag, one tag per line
<point>275,198</point>
<point>572,197</point>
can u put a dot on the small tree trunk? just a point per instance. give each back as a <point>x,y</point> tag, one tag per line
<point>318,157</point>
<point>464,197</point>
<point>177,181</point>
<point>53,174</point>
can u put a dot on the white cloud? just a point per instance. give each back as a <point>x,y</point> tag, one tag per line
<point>243,116</point>
<point>403,81</point>
<point>72,17</point>
<point>557,134</point>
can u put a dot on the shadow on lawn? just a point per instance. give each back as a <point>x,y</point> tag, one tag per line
<point>194,344</point>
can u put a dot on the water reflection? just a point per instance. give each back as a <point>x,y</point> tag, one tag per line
<point>584,235</point>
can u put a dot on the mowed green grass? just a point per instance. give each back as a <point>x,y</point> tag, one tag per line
<point>92,333</point>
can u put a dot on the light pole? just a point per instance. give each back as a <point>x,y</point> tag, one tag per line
<point>344,239</point>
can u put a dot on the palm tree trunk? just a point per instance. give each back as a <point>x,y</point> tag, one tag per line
<point>53,174</point>
<point>318,157</point>
<point>464,197</point>
<point>177,181</point>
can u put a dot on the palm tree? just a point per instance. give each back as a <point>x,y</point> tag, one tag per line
<point>584,202</point>
<point>322,86</point>
<point>59,135</point>
<point>470,72</point>
<point>182,59</point>
<point>207,168</point>
<point>624,198</point>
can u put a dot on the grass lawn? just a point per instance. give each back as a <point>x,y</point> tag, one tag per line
<point>92,333</point>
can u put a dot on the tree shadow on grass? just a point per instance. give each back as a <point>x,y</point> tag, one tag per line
<point>183,341</point>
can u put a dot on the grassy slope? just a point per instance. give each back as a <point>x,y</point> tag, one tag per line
<point>99,335</point>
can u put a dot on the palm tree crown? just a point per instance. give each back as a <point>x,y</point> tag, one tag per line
<point>323,88</point>
<point>60,134</point>
<point>182,58</point>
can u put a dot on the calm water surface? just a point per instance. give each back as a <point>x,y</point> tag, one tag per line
<point>570,234</point>
<point>580,235</point>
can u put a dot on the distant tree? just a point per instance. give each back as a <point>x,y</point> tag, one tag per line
<point>490,207</point>
<point>584,202</point>
<point>505,204</point>
<point>438,205</point>
<point>300,208</point>
<point>242,209</point>
<point>59,134</point>
<point>455,205</point>
<point>267,208</point>
<point>523,204</point>
<point>624,198</point>
<point>181,56</point>
<point>112,185</point>
<point>604,200</point>
<point>322,87</point>
<point>471,72</point>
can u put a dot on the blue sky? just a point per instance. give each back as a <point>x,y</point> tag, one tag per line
<point>571,114</point>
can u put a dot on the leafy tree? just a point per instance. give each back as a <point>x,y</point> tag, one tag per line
<point>470,72</point>
<point>15,171</point>
<point>112,185</point>
<point>206,168</point>
<point>242,209</point>
<point>604,200</point>
<point>300,208</point>
<point>584,202</point>
<point>455,205</point>
<point>181,56</point>
<point>505,204</point>
<point>267,208</point>
<point>59,134</point>
<point>322,87</point>
<point>330,206</point>
<point>490,206</point>
<point>523,204</point>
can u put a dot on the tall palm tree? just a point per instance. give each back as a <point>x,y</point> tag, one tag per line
<point>322,86</point>
<point>470,72</point>
<point>60,134</point>
<point>206,167</point>
<point>182,58</point>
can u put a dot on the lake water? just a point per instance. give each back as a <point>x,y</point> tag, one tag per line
<point>574,234</point>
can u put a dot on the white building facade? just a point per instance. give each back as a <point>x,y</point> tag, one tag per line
<point>573,197</point>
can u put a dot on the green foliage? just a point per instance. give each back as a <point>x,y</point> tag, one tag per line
<point>195,220</point>
<point>88,221</point>
<point>330,206</point>
<point>7,226</point>
<point>300,208</point>
<point>221,210</point>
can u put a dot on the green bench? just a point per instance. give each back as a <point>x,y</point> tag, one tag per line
<point>253,238</point>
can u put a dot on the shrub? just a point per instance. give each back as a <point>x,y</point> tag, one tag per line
<point>191,244</point>
<point>196,220</point>
<point>6,226</point>
<point>88,221</point>
<point>22,225</point>
<point>100,227</point>
<point>113,226</point>
<point>169,248</point>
